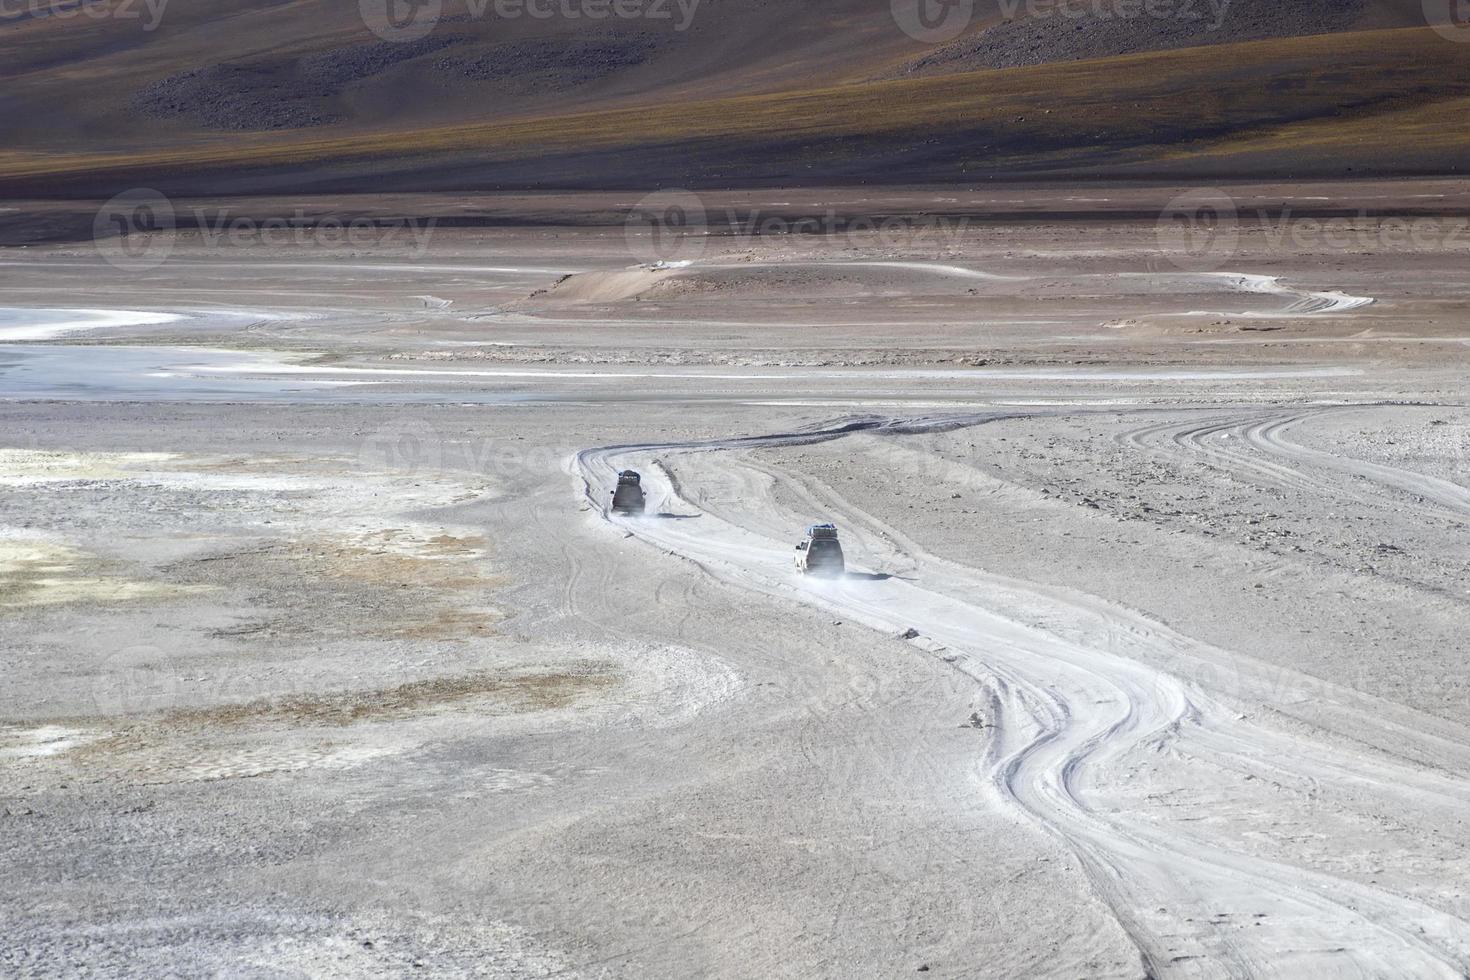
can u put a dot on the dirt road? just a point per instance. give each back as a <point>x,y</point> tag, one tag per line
<point>1086,732</point>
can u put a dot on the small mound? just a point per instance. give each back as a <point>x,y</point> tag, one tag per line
<point>608,287</point>
<point>797,281</point>
<point>765,281</point>
<point>784,281</point>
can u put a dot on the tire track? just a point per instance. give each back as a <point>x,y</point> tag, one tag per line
<point>1259,446</point>
<point>1073,708</point>
<point>1444,495</point>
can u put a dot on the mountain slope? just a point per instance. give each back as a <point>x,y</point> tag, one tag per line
<point>311,101</point>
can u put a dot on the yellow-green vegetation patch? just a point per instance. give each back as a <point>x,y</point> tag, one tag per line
<point>21,467</point>
<point>514,694</point>
<point>36,572</point>
<point>299,731</point>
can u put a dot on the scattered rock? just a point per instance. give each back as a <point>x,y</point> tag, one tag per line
<point>276,93</point>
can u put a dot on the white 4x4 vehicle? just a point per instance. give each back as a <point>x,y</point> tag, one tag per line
<point>821,552</point>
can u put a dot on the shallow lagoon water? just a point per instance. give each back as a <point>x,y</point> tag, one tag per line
<point>22,323</point>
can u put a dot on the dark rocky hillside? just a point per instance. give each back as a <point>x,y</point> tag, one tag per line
<point>1082,33</point>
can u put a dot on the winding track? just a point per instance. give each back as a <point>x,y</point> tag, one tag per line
<point>1259,445</point>
<point>1085,730</point>
<point>1300,302</point>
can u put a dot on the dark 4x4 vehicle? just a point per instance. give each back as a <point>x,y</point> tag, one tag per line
<point>628,497</point>
<point>821,552</point>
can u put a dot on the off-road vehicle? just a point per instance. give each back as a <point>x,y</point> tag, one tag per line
<point>628,498</point>
<point>820,553</point>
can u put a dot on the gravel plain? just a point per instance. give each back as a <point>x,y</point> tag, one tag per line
<point>321,656</point>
